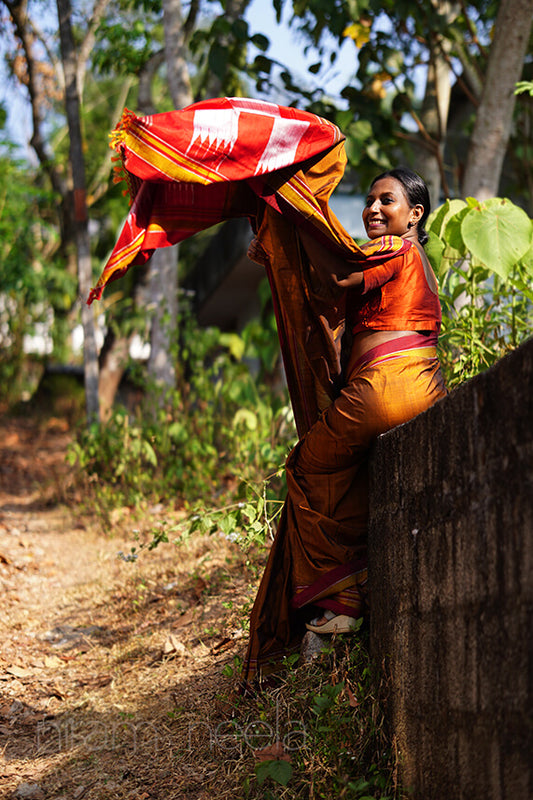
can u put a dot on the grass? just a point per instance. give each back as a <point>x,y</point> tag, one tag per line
<point>127,700</point>
<point>320,734</point>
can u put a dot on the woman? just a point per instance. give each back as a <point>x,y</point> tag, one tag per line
<point>317,565</point>
<point>187,170</point>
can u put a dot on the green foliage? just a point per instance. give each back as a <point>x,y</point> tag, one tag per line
<point>277,770</point>
<point>523,87</point>
<point>483,254</point>
<point>31,276</point>
<point>322,732</point>
<point>249,519</point>
<point>217,435</point>
<point>125,42</point>
<point>393,42</point>
<point>220,49</point>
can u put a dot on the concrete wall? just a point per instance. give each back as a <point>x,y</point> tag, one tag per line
<point>451,560</point>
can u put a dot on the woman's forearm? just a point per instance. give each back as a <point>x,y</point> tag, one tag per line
<point>329,265</point>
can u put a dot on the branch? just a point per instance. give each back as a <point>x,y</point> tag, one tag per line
<point>471,69</point>
<point>190,22</point>
<point>87,43</point>
<point>472,30</point>
<point>24,33</point>
<point>146,77</point>
<point>56,64</point>
<point>459,78</point>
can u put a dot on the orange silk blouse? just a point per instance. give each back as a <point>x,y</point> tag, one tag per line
<point>395,296</point>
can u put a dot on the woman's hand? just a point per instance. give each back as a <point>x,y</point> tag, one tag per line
<point>344,273</point>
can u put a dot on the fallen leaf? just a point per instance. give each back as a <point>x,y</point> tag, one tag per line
<point>224,643</point>
<point>186,618</point>
<point>52,662</point>
<point>227,641</point>
<point>199,587</point>
<point>55,691</point>
<point>352,698</point>
<point>96,682</point>
<point>274,752</point>
<point>173,647</point>
<point>19,672</point>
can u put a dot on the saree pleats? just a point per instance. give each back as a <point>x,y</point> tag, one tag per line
<point>319,555</point>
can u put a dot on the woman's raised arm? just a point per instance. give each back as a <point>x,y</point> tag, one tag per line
<point>329,265</point>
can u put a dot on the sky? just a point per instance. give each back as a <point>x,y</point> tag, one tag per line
<point>286,47</point>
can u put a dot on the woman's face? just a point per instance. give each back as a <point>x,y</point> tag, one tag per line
<point>388,213</point>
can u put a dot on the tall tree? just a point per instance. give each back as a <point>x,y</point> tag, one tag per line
<point>429,156</point>
<point>79,196</point>
<point>494,116</point>
<point>55,88</point>
<point>163,275</point>
<point>395,39</point>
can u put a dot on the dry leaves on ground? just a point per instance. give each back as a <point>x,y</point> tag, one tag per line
<point>110,671</point>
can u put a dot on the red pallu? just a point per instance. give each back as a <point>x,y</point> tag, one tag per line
<point>203,154</point>
<point>188,170</point>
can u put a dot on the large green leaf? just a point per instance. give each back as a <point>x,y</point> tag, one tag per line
<point>527,260</point>
<point>453,234</point>
<point>454,246</point>
<point>434,249</point>
<point>498,234</point>
<point>279,771</point>
<point>438,219</point>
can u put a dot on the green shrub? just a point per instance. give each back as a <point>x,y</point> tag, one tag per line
<point>216,433</point>
<point>483,255</point>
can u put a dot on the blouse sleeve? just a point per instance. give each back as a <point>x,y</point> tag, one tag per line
<point>381,274</point>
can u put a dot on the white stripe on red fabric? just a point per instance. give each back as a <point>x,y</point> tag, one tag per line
<point>219,128</point>
<point>282,145</point>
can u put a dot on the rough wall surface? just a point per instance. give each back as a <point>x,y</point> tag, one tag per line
<point>451,563</point>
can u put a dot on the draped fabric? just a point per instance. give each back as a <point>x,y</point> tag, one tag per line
<point>188,170</point>
<point>319,556</point>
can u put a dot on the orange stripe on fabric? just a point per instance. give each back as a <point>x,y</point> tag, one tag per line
<point>168,160</point>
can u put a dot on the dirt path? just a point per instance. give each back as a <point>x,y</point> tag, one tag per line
<point>109,671</point>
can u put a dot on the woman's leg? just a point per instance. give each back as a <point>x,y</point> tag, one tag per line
<point>323,526</point>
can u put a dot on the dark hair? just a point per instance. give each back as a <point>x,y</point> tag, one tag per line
<point>416,192</point>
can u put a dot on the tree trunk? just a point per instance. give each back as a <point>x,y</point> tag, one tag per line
<point>90,359</point>
<point>434,116</point>
<point>114,354</point>
<point>176,51</point>
<point>113,359</point>
<point>163,277</point>
<point>494,117</point>
<point>163,305</point>
<point>429,160</point>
